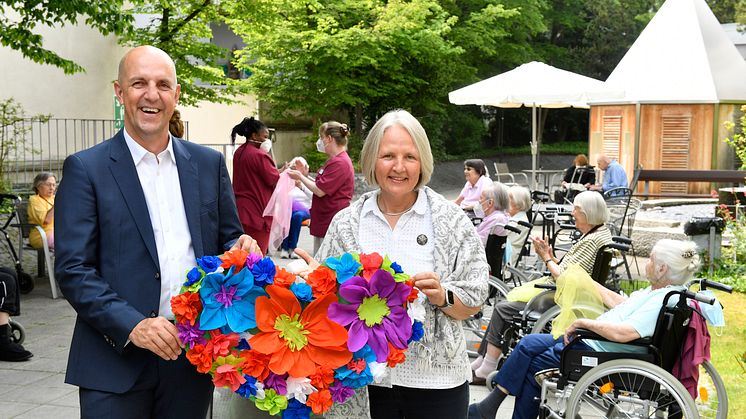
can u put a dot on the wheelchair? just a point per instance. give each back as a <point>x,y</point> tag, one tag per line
<point>17,332</point>
<point>634,385</point>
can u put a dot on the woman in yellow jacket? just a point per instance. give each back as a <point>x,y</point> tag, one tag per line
<point>41,209</point>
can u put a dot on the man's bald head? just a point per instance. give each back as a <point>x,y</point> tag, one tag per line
<point>603,161</point>
<point>144,50</point>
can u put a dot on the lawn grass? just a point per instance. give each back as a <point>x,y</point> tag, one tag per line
<point>730,346</point>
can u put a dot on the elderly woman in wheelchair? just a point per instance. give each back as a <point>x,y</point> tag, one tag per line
<point>672,263</point>
<point>591,215</point>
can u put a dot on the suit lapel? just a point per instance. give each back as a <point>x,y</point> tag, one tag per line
<point>189,182</point>
<point>125,174</point>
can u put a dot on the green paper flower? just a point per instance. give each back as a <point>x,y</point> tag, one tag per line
<point>272,402</point>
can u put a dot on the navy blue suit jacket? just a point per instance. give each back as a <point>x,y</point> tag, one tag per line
<point>106,258</point>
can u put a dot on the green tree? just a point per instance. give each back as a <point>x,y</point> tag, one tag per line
<point>182,28</point>
<point>14,125</point>
<point>365,57</point>
<point>19,19</point>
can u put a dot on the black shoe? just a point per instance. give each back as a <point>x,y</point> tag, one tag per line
<point>477,381</point>
<point>13,352</point>
<point>9,350</point>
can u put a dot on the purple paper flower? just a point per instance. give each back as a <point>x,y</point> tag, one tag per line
<point>277,382</point>
<point>251,259</point>
<point>375,314</point>
<point>191,335</point>
<point>340,393</point>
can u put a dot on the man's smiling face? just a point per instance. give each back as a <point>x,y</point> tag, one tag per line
<point>148,90</point>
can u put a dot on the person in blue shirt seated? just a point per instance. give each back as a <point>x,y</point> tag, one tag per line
<point>672,263</point>
<point>614,175</point>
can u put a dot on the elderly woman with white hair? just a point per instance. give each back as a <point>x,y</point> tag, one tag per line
<point>672,263</point>
<point>519,202</point>
<point>434,241</point>
<point>591,215</point>
<point>492,209</point>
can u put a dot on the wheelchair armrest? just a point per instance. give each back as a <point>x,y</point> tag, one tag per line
<point>552,287</point>
<point>589,335</point>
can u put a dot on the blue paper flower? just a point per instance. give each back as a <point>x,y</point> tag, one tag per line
<point>418,331</point>
<point>193,276</point>
<point>296,410</point>
<point>243,345</point>
<point>264,272</point>
<point>248,388</point>
<point>397,269</point>
<point>303,292</point>
<point>229,300</point>
<point>346,267</point>
<point>209,263</point>
<point>354,378</point>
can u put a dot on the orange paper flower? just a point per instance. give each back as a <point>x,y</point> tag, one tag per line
<point>284,278</point>
<point>322,377</point>
<point>255,364</point>
<point>200,357</point>
<point>320,401</point>
<point>186,307</point>
<point>298,341</point>
<point>396,356</point>
<point>412,294</point>
<point>323,281</point>
<point>235,258</point>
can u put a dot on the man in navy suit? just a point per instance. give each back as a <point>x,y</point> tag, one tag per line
<point>133,213</point>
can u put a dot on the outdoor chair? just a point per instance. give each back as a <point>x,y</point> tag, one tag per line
<point>44,256</point>
<point>503,175</point>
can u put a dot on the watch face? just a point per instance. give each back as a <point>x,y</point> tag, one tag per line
<point>449,297</point>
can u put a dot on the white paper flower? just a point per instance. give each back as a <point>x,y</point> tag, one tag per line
<point>299,388</point>
<point>416,310</point>
<point>260,390</point>
<point>379,370</point>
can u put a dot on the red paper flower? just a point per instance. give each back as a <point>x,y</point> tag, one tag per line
<point>370,263</point>
<point>320,401</point>
<point>186,307</point>
<point>235,258</point>
<point>284,278</point>
<point>412,294</point>
<point>220,344</point>
<point>323,281</point>
<point>200,357</point>
<point>227,374</point>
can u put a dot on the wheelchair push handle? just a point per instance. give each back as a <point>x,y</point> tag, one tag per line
<point>546,286</point>
<point>699,297</point>
<point>707,283</point>
<point>512,228</point>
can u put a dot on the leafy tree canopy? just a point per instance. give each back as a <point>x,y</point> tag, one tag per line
<point>182,29</point>
<point>19,19</point>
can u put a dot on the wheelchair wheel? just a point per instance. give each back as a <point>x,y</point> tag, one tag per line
<point>544,323</point>
<point>477,324</point>
<point>25,283</point>
<point>712,399</point>
<point>17,332</point>
<point>629,388</point>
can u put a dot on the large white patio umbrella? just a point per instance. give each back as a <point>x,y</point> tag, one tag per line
<point>535,84</point>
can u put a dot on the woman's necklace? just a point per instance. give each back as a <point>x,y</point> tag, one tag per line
<point>395,214</point>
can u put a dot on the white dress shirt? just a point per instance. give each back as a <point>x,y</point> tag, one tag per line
<point>159,179</point>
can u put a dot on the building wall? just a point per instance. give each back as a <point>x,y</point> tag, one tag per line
<point>689,142</point>
<point>625,136</point>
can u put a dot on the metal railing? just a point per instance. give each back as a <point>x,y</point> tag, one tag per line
<point>44,145</point>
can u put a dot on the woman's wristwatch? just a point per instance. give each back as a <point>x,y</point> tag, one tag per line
<point>448,300</point>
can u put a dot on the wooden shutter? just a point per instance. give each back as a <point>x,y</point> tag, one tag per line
<point>612,136</point>
<point>675,137</point>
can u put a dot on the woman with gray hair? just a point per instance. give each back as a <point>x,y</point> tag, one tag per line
<point>41,209</point>
<point>672,263</point>
<point>519,199</point>
<point>434,241</point>
<point>492,209</point>
<point>591,215</point>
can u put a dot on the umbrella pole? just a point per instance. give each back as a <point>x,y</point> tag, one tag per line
<point>534,147</point>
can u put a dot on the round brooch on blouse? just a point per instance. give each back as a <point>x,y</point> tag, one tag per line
<point>422,239</point>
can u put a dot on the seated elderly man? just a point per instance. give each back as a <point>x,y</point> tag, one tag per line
<point>672,263</point>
